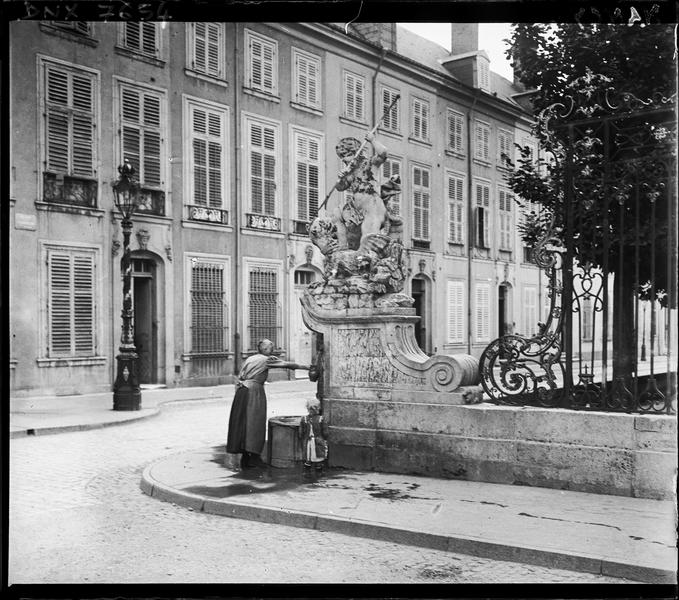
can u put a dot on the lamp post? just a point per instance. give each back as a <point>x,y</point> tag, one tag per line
<point>126,392</point>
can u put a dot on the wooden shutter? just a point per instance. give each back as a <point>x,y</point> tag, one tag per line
<point>390,120</point>
<point>307,158</point>
<point>262,74</point>
<point>420,203</point>
<point>263,305</point>
<point>482,312</point>
<point>456,209</point>
<point>390,168</point>
<point>207,144</point>
<point>353,94</point>
<point>141,135</point>
<point>505,213</point>
<point>214,64</point>
<point>455,312</point>
<point>208,307</point>
<point>529,310</point>
<point>306,77</point>
<point>454,131</point>
<point>262,168</point>
<point>482,212</point>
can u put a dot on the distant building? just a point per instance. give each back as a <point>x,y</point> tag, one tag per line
<point>232,130</point>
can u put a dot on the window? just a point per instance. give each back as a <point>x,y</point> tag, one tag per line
<point>504,147</point>
<point>455,123</point>
<point>262,63</point>
<point>71,303</point>
<point>455,312</point>
<point>306,176</point>
<point>505,200</point>
<point>420,123</point>
<point>530,318</point>
<point>69,98</point>
<point>141,37</point>
<point>421,196</point>
<point>482,213</point>
<point>307,78</point>
<point>527,141</point>
<point>482,320</point>
<point>391,167</point>
<point>206,48</point>
<point>79,27</point>
<point>456,207</point>
<point>208,306</point>
<point>483,74</point>
<point>528,209</point>
<point>354,102</point>
<point>261,163</point>
<point>206,159</point>
<point>263,309</point>
<point>481,141</point>
<point>390,120</point>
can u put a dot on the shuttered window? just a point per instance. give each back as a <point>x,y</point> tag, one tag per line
<point>207,48</point>
<point>263,304</point>
<point>505,214</point>
<point>530,312</point>
<point>420,124</point>
<point>354,101</point>
<point>262,63</point>
<point>482,312</point>
<point>391,167</point>
<point>209,310</point>
<point>455,124</point>
<point>141,135</point>
<point>262,171</point>
<point>455,312</point>
<point>307,150</point>
<point>482,214</point>
<point>142,37</point>
<point>391,116</point>
<point>69,112</point>
<point>504,147</point>
<point>421,203</point>
<point>207,155</point>
<point>71,309</point>
<point>483,74</point>
<point>481,141</point>
<point>455,190</point>
<point>80,27</point>
<point>307,78</point>
<point>527,141</point>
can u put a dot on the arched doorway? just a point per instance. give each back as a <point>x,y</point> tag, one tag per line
<point>419,287</point>
<point>301,339</point>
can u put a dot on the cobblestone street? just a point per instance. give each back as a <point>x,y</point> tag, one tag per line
<point>77,515</point>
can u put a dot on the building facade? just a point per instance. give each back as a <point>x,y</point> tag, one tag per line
<point>232,129</point>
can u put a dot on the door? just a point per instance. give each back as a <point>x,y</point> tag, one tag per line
<point>419,295</point>
<point>301,342</point>
<point>145,324</point>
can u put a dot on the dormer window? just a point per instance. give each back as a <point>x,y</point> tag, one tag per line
<point>483,73</point>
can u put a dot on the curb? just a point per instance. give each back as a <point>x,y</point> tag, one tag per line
<point>366,529</point>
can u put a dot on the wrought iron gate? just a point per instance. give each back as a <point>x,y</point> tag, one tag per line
<point>609,252</point>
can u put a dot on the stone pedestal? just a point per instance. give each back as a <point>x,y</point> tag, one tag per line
<point>376,381</point>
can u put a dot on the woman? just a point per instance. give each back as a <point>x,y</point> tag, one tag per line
<point>247,423</point>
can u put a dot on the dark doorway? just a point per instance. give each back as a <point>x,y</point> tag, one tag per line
<point>419,295</point>
<point>145,323</point>
<point>502,311</point>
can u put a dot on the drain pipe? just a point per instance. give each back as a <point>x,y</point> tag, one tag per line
<point>383,53</point>
<point>237,213</point>
<point>470,222</point>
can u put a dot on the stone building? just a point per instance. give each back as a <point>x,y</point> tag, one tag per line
<point>232,129</point>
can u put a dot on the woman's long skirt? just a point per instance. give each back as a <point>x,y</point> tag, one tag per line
<point>247,421</point>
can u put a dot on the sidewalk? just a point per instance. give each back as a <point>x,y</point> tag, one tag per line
<point>630,538</point>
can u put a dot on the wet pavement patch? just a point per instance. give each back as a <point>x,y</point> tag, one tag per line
<point>377,491</point>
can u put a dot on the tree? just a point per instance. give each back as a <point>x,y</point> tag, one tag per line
<point>605,175</point>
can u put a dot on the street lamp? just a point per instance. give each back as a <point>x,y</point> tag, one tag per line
<point>126,392</point>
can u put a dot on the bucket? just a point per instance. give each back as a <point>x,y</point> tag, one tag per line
<point>285,447</point>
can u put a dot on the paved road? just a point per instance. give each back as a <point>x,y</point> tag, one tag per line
<point>77,515</point>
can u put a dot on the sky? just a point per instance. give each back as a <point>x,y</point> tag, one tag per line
<point>490,40</point>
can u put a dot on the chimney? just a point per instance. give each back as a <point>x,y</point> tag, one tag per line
<point>382,34</point>
<point>464,37</point>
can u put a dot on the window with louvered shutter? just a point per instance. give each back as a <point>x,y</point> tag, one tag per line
<point>207,55</point>
<point>208,307</point>
<point>483,74</point>
<point>454,122</point>
<point>307,79</point>
<point>262,156</point>
<point>307,169</point>
<point>455,189</point>
<point>482,312</point>
<point>141,37</point>
<point>262,63</point>
<point>455,312</point>
<point>390,168</point>
<point>141,136</point>
<point>263,305</point>
<point>530,319</point>
<point>421,198</point>
<point>69,121</point>
<point>71,310</point>
<point>504,142</point>
<point>481,141</point>
<point>354,89</point>
<point>505,214</point>
<point>420,127</point>
<point>482,212</point>
<point>390,118</point>
<point>207,167</point>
